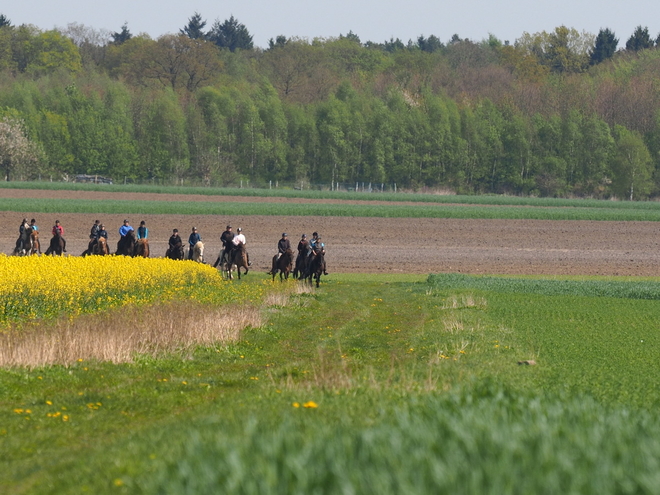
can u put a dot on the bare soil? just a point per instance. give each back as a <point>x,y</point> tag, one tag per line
<point>379,245</point>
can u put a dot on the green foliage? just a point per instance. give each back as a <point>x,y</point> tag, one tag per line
<point>471,117</point>
<point>411,387</point>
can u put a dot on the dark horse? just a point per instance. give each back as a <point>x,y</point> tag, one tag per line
<point>238,257</point>
<point>56,245</point>
<point>315,268</point>
<point>24,243</point>
<point>284,265</point>
<point>175,252</point>
<point>126,245</point>
<point>142,248</point>
<point>300,267</point>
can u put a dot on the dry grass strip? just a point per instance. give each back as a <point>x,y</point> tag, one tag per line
<point>120,335</point>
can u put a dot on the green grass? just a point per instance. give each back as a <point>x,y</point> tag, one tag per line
<point>417,386</point>
<point>393,210</point>
<point>493,200</point>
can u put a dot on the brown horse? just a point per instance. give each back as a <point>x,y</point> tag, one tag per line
<point>283,265</point>
<point>239,259</point>
<point>142,248</point>
<point>315,268</point>
<point>36,245</point>
<point>100,247</point>
<point>126,245</point>
<point>56,245</point>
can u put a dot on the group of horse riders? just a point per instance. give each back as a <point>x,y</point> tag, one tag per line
<point>307,250</point>
<point>231,242</point>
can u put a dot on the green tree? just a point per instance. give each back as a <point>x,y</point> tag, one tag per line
<point>230,34</point>
<point>4,21</point>
<point>630,165</point>
<point>604,47</point>
<point>639,40</point>
<point>52,50</point>
<point>194,28</point>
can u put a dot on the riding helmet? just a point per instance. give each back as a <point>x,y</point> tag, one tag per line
<point>239,230</point>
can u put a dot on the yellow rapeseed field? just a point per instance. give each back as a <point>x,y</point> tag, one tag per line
<point>46,287</point>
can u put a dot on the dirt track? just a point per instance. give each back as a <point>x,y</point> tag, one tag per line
<point>380,245</point>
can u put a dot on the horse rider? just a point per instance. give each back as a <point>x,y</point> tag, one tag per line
<point>21,232</point>
<point>239,238</point>
<point>142,231</point>
<point>312,241</point>
<point>58,229</point>
<point>282,245</point>
<point>33,225</point>
<point>226,238</point>
<point>319,248</point>
<point>93,235</point>
<point>193,239</point>
<point>303,246</point>
<point>175,242</point>
<point>125,229</point>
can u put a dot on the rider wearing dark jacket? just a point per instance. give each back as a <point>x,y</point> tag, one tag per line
<point>226,238</point>
<point>175,243</point>
<point>193,239</point>
<point>282,245</point>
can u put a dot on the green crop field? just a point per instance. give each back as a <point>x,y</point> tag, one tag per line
<point>491,200</point>
<point>372,384</point>
<point>393,210</point>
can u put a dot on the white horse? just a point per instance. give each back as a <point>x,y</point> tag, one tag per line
<point>198,252</point>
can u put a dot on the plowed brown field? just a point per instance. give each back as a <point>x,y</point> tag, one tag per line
<point>381,245</point>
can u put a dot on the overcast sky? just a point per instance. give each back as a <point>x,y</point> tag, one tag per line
<point>371,20</point>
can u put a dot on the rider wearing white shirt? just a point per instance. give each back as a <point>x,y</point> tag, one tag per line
<point>239,237</point>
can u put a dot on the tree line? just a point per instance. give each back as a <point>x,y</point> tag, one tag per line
<point>552,114</point>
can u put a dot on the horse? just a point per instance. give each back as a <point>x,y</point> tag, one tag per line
<point>142,248</point>
<point>198,252</point>
<point>126,245</point>
<point>23,244</point>
<point>34,240</point>
<point>100,247</point>
<point>238,258</point>
<point>300,267</point>
<point>283,265</point>
<point>175,253</point>
<point>315,268</point>
<point>56,245</point>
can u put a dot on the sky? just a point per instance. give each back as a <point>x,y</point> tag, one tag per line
<point>371,20</point>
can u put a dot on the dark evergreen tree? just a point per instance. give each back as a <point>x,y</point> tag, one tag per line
<point>279,42</point>
<point>604,47</point>
<point>393,45</point>
<point>194,27</point>
<point>351,36</point>
<point>4,21</point>
<point>430,44</point>
<point>639,40</point>
<point>230,34</point>
<point>123,36</point>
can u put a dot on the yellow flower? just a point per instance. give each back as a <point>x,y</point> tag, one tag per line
<point>310,405</point>
<point>296,404</point>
